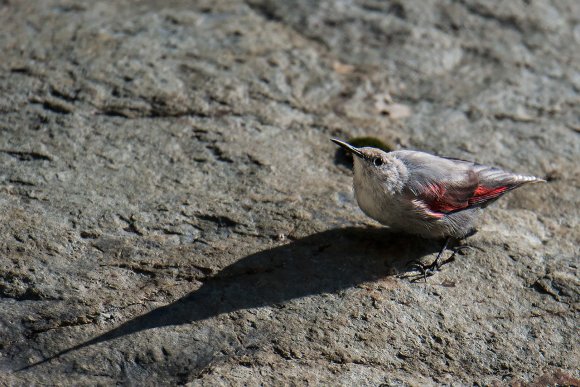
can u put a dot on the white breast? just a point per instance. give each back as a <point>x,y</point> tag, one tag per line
<point>376,202</point>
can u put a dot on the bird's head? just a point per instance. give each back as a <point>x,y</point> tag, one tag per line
<point>370,163</point>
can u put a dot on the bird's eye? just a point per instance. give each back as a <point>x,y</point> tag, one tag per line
<point>378,161</point>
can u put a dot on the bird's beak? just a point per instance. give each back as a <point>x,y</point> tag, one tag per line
<point>348,147</point>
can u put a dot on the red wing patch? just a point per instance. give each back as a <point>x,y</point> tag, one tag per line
<point>440,205</point>
<point>440,200</point>
<point>483,194</point>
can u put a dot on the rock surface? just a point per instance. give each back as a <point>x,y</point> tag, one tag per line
<point>172,212</point>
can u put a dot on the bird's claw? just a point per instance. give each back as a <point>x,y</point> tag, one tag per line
<point>429,270</point>
<point>426,271</point>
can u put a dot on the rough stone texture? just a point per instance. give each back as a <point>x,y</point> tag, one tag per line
<point>172,212</point>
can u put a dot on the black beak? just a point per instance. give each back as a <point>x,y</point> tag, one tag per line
<point>348,147</point>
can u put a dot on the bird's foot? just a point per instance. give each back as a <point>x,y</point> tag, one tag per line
<point>427,270</point>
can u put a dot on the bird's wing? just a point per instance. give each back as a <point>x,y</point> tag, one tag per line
<point>439,186</point>
<point>495,182</point>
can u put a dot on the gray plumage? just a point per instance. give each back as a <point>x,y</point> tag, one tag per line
<point>419,193</point>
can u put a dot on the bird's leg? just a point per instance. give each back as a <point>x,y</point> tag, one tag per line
<point>429,270</point>
<point>436,263</point>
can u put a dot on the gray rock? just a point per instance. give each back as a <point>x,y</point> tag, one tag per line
<point>172,212</point>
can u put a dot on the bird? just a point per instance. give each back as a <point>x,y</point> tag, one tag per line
<point>427,195</point>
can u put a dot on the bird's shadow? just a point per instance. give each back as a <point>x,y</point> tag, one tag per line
<point>326,262</point>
